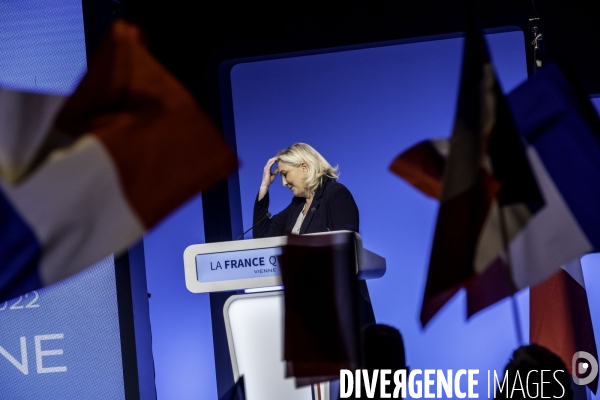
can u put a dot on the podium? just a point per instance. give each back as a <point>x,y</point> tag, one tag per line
<point>254,314</point>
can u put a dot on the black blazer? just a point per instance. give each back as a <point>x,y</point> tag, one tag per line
<point>335,207</point>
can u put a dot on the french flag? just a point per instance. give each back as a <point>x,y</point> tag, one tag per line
<point>562,134</point>
<point>559,122</point>
<point>86,176</point>
<point>487,190</point>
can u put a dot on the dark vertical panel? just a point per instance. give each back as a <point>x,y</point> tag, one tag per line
<point>97,18</point>
<point>141,322</point>
<point>127,327</point>
<point>217,216</point>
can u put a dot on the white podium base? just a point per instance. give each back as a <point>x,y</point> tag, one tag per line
<point>254,324</point>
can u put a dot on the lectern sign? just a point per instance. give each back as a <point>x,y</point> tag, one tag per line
<point>253,263</point>
<point>239,264</point>
<point>242,264</point>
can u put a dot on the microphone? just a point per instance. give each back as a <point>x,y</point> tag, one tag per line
<point>314,211</point>
<point>267,215</point>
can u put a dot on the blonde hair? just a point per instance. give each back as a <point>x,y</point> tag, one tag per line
<point>318,167</point>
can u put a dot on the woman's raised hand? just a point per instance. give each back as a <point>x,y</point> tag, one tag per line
<point>267,178</point>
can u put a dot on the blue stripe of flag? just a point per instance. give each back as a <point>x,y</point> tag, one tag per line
<point>560,126</point>
<point>19,254</point>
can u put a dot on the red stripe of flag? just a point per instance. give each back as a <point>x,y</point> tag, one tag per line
<point>560,319</point>
<point>422,166</point>
<point>165,148</point>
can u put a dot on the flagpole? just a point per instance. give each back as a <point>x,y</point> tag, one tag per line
<point>517,317</point>
<point>515,306</point>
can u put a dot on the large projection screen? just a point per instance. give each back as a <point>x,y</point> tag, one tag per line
<point>63,341</point>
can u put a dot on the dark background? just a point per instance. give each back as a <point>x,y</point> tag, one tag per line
<point>191,38</point>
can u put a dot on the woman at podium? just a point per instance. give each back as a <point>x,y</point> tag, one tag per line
<point>319,204</point>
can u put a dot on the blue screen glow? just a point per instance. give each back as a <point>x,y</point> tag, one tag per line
<point>42,46</point>
<point>63,341</point>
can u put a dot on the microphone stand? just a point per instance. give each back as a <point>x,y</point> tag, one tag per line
<point>267,215</point>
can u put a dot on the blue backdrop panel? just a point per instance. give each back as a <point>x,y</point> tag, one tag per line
<point>181,322</point>
<point>62,342</point>
<point>596,103</point>
<point>360,108</point>
<point>42,45</point>
<point>591,275</point>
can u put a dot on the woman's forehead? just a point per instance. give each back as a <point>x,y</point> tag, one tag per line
<point>285,166</point>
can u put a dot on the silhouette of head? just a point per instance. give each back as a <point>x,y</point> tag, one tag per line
<point>534,369</point>
<point>383,347</point>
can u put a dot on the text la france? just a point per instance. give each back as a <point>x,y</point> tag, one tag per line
<point>241,263</point>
